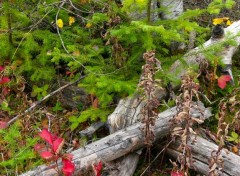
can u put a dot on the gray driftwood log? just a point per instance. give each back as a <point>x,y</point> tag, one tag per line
<point>117,144</point>
<point>201,152</point>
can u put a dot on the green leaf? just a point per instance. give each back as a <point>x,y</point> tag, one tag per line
<point>74,125</point>
<point>57,107</point>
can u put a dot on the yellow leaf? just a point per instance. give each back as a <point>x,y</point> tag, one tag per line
<point>60,23</point>
<point>217,21</point>
<point>88,25</point>
<point>220,20</point>
<point>235,149</point>
<point>71,20</point>
<point>229,22</point>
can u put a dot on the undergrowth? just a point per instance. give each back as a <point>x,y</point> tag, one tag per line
<point>45,43</point>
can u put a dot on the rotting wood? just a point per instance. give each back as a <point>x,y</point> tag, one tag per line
<point>201,152</point>
<point>125,114</point>
<point>117,144</point>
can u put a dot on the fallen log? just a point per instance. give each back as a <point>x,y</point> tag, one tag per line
<point>193,58</point>
<point>117,144</point>
<point>201,150</point>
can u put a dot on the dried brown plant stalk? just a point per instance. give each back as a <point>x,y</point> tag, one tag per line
<point>147,84</point>
<point>184,120</point>
<point>216,160</point>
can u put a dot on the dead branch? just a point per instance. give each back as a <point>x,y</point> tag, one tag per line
<point>117,144</point>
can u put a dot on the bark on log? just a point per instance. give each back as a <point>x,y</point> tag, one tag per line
<point>201,152</point>
<point>126,113</point>
<point>117,144</point>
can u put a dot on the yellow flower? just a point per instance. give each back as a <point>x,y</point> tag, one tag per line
<point>220,20</point>
<point>217,21</point>
<point>71,20</point>
<point>229,22</point>
<point>60,23</point>
<point>88,25</point>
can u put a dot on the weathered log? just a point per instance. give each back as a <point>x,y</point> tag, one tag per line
<point>117,144</point>
<point>196,55</point>
<point>121,116</point>
<point>201,152</point>
<point>125,114</point>
<point>92,129</point>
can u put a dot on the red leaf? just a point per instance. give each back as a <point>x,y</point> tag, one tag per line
<point>58,144</point>
<point>68,167</point>
<point>177,173</point>
<point>46,155</point>
<point>46,136</point>
<point>222,81</point>
<point>3,124</point>
<point>98,168</point>
<point>1,68</point>
<point>68,72</point>
<point>4,80</point>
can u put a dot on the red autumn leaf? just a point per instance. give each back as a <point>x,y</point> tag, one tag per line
<point>4,80</point>
<point>57,145</point>
<point>68,167</point>
<point>1,68</point>
<point>46,136</point>
<point>46,155</point>
<point>3,124</point>
<point>222,81</point>
<point>177,173</point>
<point>68,72</point>
<point>98,168</point>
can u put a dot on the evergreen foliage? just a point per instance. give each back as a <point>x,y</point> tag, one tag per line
<point>19,153</point>
<point>103,42</point>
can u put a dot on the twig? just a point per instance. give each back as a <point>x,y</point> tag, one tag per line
<point>73,6</point>
<point>44,98</point>
<point>156,157</point>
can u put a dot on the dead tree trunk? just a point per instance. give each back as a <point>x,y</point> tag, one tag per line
<point>117,144</point>
<point>201,152</point>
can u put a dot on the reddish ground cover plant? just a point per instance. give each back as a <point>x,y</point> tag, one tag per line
<point>177,173</point>
<point>52,151</point>
<point>5,90</point>
<point>3,79</point>
<point>98,168</point>
<point>222,81</point>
